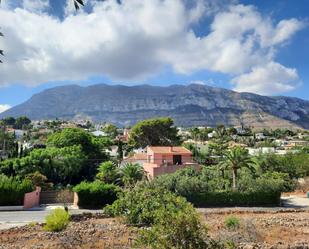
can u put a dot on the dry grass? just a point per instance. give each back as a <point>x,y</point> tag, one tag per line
<point>261,227</point>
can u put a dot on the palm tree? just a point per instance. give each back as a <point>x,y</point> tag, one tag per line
<point>221,131</point>
<point>108,172</point>
<point>235,159</point>
<point>78,3</point>
<point>132,173</point>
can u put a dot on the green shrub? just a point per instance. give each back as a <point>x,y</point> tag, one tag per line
<point>95,194</point>
<point>268,181</point>
<point>201,190</point>
<point>235,198</point>
<point>142,205</point>
<point>12,190</point>
<point>174,222</point>
<point>57,220</point>
<point>184,182</point>
<point>175,229</point>
<point>232,222</point>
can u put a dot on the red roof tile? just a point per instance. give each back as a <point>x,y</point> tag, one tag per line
<point>169,150</point>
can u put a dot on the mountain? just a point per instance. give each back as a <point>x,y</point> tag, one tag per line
<point>189,106</point>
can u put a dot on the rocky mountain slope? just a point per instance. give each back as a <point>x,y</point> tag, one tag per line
<point>188,105</point>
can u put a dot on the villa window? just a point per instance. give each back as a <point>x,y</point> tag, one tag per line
<point>177,160</point>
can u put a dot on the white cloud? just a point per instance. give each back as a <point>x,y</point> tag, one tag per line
<point>137,39</point>
<point>4,107</point>
<point>269,79</point>
<point>35,5</point>
<point>203,82</point>
<point>286,28</point>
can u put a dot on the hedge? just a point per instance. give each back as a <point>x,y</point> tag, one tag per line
<point>95,194</point>
<point>12,190</point>
<point>235,198</point>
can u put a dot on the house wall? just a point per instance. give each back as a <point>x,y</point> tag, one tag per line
<point>153,170</point>
<point>159,158</point>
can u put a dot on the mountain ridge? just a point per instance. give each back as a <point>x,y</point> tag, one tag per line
<point>189,105</point>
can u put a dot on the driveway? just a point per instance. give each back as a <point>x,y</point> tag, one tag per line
<point>295,201</point>
<point>19,218</point>
<point>10,219</point>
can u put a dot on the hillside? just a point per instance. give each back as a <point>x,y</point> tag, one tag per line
<point>188,105</point>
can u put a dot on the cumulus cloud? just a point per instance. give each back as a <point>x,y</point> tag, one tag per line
<point>4,107</point>
<point>267,79</point>
<point>35,5</point>
<point>138,38</point>
<point>203,82</point>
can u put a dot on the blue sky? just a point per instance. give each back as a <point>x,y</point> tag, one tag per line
<point>258,46</point>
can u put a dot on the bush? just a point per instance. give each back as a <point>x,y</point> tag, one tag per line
<point>12,190</point>
<point>235,198</point>
<point>201,191</point>
<point>176,229</point>
<point>57,220</point>
<point>174,222</point>
<point>184,182</point>
<point>232,222</point>
<point>142,205</point>
<point>95,194</point>
<point>269,181</point>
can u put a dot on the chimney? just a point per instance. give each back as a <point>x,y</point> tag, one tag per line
<point>171,148</point>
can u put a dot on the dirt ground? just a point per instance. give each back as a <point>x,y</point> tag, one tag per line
<point>286,228</point>
<point>259,229</point>
<point>85,233</point>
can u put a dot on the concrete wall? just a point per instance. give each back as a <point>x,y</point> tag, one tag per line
<point>75,201</point>
<point>32,199</point>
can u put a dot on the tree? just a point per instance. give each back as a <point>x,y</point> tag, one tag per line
<point>22,122</point>
<point>131,173</point>
<point>221,132</point>
<point>59,165</point>
<point>8,121</point>
<point>70,137</point>
<point>195,133</point>
<point>108,172</point>
<point>93,148</point>
<point>110,130</point>
<point>8,146</point>
<point>40,180</point>
<point>204,134</point>
<point>235,159</point>
<point>231,131</point>
<point>154,132</point>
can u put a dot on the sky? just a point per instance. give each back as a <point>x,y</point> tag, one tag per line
<point>257,46</point>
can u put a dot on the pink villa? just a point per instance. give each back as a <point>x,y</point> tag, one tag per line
<point>167,159</point>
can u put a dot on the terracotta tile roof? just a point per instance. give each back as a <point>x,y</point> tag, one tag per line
<point>137,156</point>
<point>169,150</point>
